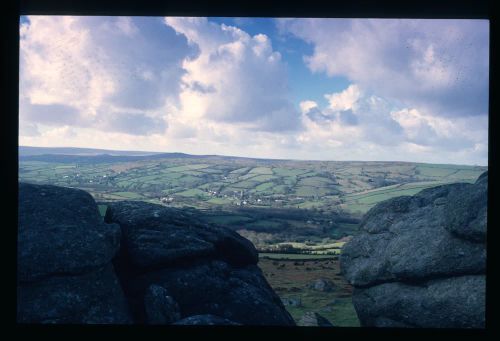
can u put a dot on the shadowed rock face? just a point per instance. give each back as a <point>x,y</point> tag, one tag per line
<point>72,266</point>
<point>65,273</point>
<point>160,307</point>
<point>421,260</point>
<point>206,269</point>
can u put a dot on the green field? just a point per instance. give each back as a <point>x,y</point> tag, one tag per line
<point>351,186</point>
<point>362,202</point>
<point>325,193</point>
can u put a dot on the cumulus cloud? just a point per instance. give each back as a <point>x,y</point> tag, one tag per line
<point>133,123</point>
<point>81,71</point>
<point>359,121</point>
<point>344,100</point>
<point>49,114</point>
<point>236,78</point>
<point>196,86</point>
<point>439,65</point>
<point>418,85</point>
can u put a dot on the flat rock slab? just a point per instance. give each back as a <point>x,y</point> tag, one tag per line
<point>154,235</point>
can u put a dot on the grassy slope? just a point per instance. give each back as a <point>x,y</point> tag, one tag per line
<point>290,280</point>
<point>303,184</point>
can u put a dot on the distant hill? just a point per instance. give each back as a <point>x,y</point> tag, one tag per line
<point>101,158</point>
<point>90,155</point>
<point>29,151</point>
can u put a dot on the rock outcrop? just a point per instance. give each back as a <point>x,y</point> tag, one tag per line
<point>420,261</point>
<point>322,284</point>
<point>147,264</point>
<point>64,257</point>
<point>207,270</point>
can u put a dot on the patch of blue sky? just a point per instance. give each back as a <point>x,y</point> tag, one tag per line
<point>304,84</point>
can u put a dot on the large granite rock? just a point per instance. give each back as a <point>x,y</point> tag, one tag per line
<point>64,254</point>
<point>207,270</point>
<point>72,266</point>
<point>155,236</point>
<point>420,260</point>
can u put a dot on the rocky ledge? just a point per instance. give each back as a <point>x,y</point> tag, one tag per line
<point>421,260</point>
<point>144,263</point>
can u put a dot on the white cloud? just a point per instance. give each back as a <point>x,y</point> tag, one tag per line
<point>191,85</point>
<point>138,83</point>
<point>418,85</point>
<point>305,106</point>
<point>247,79</point>
<point>344,100</point>
<point>101,72</point>
<point>437,65</point>
<point>381,131</point>
<point>127,26</point>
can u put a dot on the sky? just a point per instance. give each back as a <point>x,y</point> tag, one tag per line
<point>289,88</point>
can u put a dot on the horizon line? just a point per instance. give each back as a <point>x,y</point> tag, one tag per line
<point>257,158</point>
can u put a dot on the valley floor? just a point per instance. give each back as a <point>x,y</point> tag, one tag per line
<point>291,280</point>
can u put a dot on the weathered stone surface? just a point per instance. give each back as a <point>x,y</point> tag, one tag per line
<point>170,266</point>
<point>64,259</point>
<point>312,319</point>
<point>465,211</point>
<point>455,302</point>
<point>406,238</point>
<point>322,284</point>
<point>430,246</point>
<point>60,232</point>
<point>93,297</point>
<point>206,320</point>
<point>155,235</point>
<point>240,294</point>
<point>160,307</point>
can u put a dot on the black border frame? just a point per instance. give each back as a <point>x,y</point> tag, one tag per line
<point>471,9</point>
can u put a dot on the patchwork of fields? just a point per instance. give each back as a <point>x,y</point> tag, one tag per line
<point>203,183</point>
<point>271,202</point>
